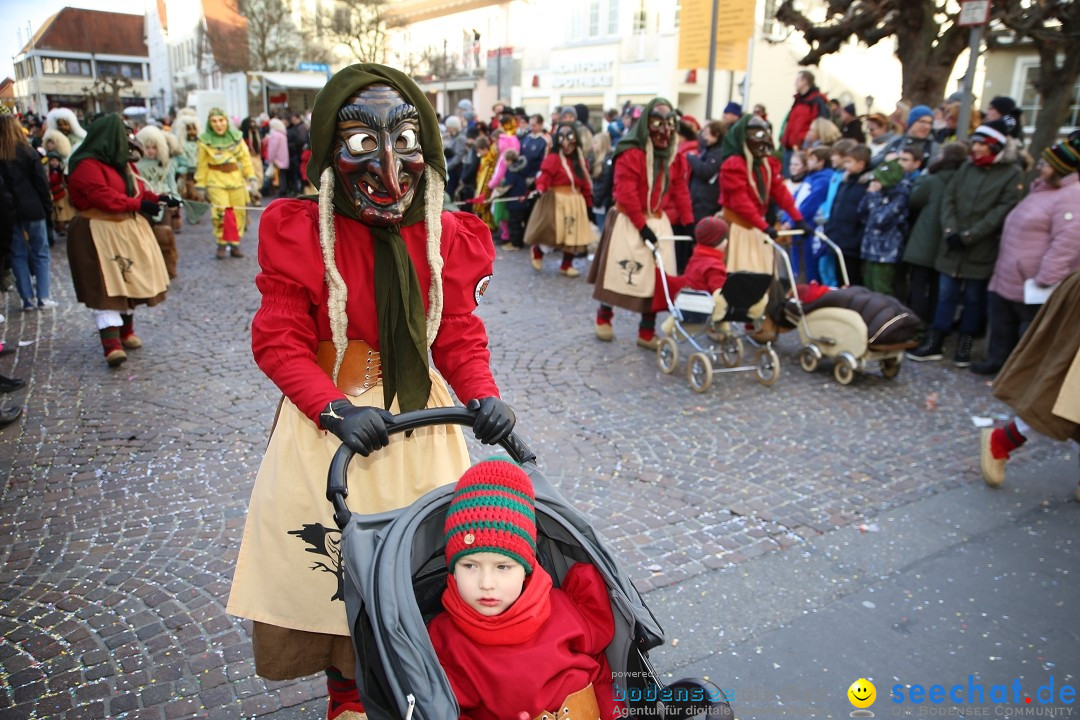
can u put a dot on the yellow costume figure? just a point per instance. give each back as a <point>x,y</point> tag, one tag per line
<point>224,174</point>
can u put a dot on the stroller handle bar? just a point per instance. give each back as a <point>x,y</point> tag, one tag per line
<point>337,487</point>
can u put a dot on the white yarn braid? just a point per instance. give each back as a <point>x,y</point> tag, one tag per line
<point>339,293</point>
<point>433,202</point>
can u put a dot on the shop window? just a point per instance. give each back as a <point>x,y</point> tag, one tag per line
<point>1030,101</point>
<point>613,17</point>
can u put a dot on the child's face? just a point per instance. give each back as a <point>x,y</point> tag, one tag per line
<point>853,166</point>
<point>813,164</point>
<point>838,161</point>
<point>796,166</point>
<point>489,582</point>
<point>908,162</point>
<point>151,150</point>
<point>54,163</point>
<point>50,144</point>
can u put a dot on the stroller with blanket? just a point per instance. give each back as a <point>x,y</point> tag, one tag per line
<point>395,573</point>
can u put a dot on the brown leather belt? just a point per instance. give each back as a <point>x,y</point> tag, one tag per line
<point>564,190</point>
<point>225,167</point>
<point>581,705</point>
<point>95,214</point>
<point>360,369</point>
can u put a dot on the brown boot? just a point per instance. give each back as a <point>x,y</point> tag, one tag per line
<point>220,252</point>
<point>235,250</point>
<point>128,338</point>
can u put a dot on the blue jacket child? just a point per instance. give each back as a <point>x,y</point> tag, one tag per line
<point>886,215</point>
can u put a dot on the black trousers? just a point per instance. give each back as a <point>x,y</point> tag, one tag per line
<point>922,291</point>
<point>1008,322</point>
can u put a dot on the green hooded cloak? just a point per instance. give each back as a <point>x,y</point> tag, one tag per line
<point>639,138</point>
<point>399,303</point>
<point>106,141</point>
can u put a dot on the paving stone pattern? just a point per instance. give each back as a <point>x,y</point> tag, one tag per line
<point>124,491</point>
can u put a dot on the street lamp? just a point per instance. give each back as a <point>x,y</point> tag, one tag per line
<point>869,104</point>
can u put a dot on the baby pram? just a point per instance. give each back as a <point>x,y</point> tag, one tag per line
<point>716,335</point>
<point>852,325</point>
<point>395,573</point>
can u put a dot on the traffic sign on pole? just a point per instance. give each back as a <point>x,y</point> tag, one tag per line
<point>973,12</point>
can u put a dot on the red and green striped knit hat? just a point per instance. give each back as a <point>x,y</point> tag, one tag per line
<point>493,510</point>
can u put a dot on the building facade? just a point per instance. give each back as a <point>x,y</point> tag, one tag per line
<point>605,53</point>
<point>87,60</point>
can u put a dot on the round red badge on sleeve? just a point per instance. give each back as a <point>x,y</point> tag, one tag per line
<point>481,288</point>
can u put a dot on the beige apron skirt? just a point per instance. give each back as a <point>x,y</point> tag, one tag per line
<point>289,572</point>
<point>115,261</point>
<point>561,220</point>
<point>624,270</point>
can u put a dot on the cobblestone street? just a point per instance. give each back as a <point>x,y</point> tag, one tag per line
<point>124,491</point>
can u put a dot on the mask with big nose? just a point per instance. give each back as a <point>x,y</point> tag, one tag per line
<point>377,154</point>
<point>661,126</point>
<point>567,138</point>
<point>758,138</point>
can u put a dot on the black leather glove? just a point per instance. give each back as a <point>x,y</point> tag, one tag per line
<point>363,429</point>
<point>647,234</point>
<point>687,230</point>
<point>149,207</point>
<point>771,232</point>
<point>954,242</point>
<point>172,201</point>
<point>494,419</point>
<point>805,227</point>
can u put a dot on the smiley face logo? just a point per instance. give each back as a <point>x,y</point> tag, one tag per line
<point>862,693</point>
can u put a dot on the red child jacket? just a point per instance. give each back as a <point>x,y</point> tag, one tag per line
<point>494,681</point>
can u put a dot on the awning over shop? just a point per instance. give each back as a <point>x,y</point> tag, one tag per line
<point>295,80</point>
<point>448,85</point>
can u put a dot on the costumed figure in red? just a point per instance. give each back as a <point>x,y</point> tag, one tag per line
<point>115,260</point>
<point>647,171</point>
<point>357,289</point>
<point>750,181</point>
<point>563,215</point>
<point>512,645</point>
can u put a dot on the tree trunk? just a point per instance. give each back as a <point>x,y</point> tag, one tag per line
<point>1055,85</point>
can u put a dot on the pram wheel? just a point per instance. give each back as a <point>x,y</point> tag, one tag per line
<point>890,367</point>
<point>667,355</point>
<point>699,372</point>
<point>731,349</point>
<point>768,366</point>
<point>844,370</point>
<point>809,357</point>
<point>693,698</point>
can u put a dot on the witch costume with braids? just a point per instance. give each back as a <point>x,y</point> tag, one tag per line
<point>357,289</point>
<point>647,171</point>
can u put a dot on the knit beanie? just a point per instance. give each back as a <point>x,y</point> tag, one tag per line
<point>993,134</point>
<point>1064,157</point>
<point>733,108</point>
<point>493,509</point>
<point>889,173</point>
<point>919,111</point>
<point>710,231</point>
<point>1004,105</point>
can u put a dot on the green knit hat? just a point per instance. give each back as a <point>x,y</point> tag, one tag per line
<point>889,173</point>
<point>493,510</point>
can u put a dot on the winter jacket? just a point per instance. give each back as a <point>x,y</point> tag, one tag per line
<point>706,269</point>
<point>533,149</point>
<point>845,225</point>
<point>806,108</point>
<point>632,195</point>
<point>456,148</point>
<point>553,174</point>
<point>57,186</point>
<point>93,185</point>
<point>927,195</point>
<point>886,222</point>
<point>602,187</point>
<point>879,148</point>
<point>812,193</point>
<point>853,130</point>
<point>929,148</point>
<point>28,184</point>
<point>277,149</point>
<point>976,203</point>
<point>1040,239</point>
<point>516,180</point>
<point>705,181</point>
<point>495,674</point>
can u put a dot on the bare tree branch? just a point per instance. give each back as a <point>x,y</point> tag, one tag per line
<point>358,25</point>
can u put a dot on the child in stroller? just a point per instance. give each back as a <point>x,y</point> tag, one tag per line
<point>504,622</point>
<point>395,578</point>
